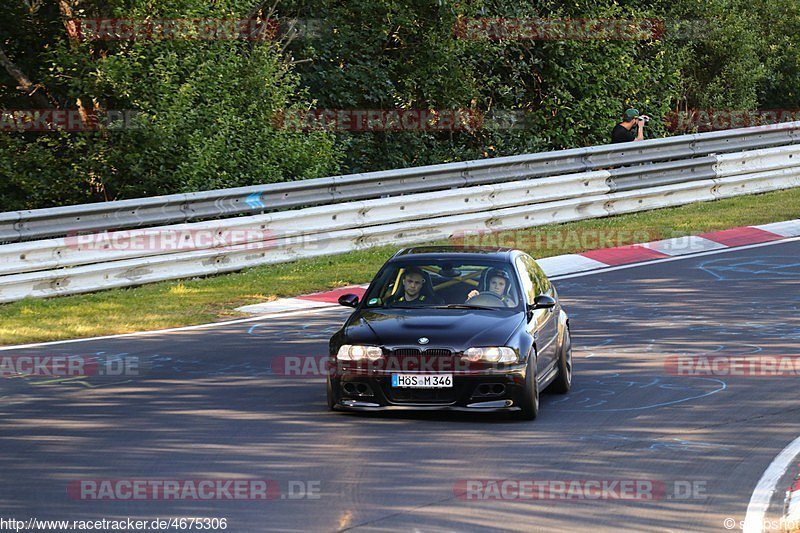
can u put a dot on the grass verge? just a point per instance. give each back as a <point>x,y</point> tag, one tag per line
<point>196,301</point>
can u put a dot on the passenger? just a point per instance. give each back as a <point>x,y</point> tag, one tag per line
<point>499,281</point>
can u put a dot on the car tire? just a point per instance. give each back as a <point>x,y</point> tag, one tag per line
<point>563,381</point>
<point>530,401</point>
<point>331,401</point>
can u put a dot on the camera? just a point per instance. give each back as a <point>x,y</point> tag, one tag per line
<point>644,117</point>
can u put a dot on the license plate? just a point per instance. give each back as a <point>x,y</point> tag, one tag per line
<point>422,381</point>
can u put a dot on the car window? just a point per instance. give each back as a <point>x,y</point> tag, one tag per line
<point>445,282</point>
<point>542,283</point>
<point>529,286</point>
<point>539,284</point>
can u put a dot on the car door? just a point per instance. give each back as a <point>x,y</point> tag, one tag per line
<point>540,320</point>
<point>547,338</point>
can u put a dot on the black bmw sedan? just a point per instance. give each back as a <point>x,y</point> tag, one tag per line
<point>469,329</point>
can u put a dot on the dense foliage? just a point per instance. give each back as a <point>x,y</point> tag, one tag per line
<point>206,108</point>
<point>204,119</point>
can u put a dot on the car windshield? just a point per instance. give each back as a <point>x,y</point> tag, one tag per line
<point>445,284</point>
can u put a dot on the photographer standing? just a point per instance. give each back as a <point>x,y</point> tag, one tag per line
<point>623,132</point>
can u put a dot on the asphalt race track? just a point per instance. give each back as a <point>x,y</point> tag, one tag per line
<point>207,405</point>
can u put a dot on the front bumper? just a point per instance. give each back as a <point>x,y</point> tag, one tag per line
<point>484,407</point>
<point>494,390</point>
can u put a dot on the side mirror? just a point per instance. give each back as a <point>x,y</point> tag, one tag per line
<point>348,300</point>
<point>541,302</point>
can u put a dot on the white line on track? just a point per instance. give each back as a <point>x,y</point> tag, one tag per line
<point>762,494</point>
<point>317,309</point>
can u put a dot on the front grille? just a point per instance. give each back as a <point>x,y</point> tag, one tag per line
<point>430,360</point>
<point>438,352</point>
<point>413,359</point>
<point>404,352</point>
<point>410,352</point>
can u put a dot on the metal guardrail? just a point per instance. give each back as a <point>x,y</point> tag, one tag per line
<point>159,210</point>
<point>294,225</point>
<point>69,265</point>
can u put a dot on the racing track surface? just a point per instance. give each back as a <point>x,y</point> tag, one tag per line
<point>208,406</point>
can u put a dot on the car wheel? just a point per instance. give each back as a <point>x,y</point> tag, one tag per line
<point>563,381</point>
<point>331,401</point>
<point>530,400</point>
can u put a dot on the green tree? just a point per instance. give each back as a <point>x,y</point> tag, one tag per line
<point>204,108</point>
<point>391,54</point>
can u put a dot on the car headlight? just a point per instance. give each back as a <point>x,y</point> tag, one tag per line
<point>492,354</point>
<point>349,352</point>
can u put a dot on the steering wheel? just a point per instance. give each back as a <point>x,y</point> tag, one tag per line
<point>493,298</point>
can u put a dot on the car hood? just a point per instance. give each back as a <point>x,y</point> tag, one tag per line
<point>453,328</point>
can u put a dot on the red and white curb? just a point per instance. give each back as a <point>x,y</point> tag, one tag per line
<point>590,260</point>
<point>307,301</point>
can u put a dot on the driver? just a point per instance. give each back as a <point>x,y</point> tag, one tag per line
<point>499,281</point>
<point>413,281</point>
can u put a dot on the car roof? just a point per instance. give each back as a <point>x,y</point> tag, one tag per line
<point>456,252</point>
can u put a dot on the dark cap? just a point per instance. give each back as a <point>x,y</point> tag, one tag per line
<point>631,113</point>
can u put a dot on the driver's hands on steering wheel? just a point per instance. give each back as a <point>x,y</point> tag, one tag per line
<point>472,294</point>
<point>494,297</point>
